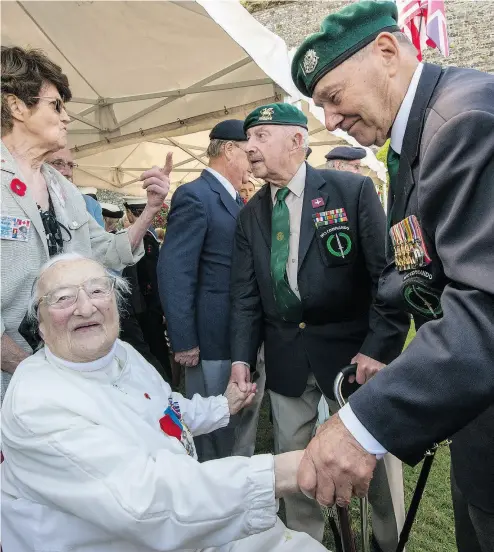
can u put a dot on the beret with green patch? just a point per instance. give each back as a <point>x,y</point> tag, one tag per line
<point>342,34</point>
<point>276,114</point>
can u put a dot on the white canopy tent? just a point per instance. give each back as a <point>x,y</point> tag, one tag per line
<point>152,77</point>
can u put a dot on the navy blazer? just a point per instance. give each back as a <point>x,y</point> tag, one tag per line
<point>339,317</point>
<point>194,267</point>
<point>443,384</point>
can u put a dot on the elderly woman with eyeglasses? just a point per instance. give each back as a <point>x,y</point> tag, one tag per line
<point>43,214</point>
<point>99,453</point>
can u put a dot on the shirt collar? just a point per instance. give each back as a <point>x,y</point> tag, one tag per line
<point>296,184</point>
<point>224,182</point>
<point>92,366</point>
<point>401,121</point>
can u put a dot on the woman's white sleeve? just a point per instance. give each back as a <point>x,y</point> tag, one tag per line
<point>203,414</point>
<point>166,502</point>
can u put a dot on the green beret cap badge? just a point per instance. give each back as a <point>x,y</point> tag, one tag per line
<point>341,35</point>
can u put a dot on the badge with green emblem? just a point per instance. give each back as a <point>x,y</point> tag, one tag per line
<point>336,243</point>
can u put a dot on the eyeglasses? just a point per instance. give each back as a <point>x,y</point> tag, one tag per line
<point>56,102</point>
<point>61,164</point>
<point>64,297</point>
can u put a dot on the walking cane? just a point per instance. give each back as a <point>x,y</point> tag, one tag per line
<point>351,370</point>
<point>348,371</point>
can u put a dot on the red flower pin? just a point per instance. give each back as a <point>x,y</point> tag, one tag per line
<point>147,396</point>
<point>18,187</point>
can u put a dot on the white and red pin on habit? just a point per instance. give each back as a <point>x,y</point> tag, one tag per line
<point>318,202</point>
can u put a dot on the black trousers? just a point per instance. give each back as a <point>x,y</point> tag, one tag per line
<point>131,333</point>
<point>153,331</point>
<point>474,528</point>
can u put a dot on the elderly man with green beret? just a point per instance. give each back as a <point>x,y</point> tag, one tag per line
<point>307,258</point>
<point>440,252</point>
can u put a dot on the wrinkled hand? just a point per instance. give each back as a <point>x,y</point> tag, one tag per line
<point>366,368</point>
<point>188,358</point>
<point>240,375</point>
<point>238,399</point>
<point>335,466</point>
<point>156,182</point>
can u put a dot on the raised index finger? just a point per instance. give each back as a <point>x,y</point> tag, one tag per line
<point>167,169</point>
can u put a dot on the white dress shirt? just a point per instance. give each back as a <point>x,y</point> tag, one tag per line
<point>347,416</point>
<point>224,182</point>
<point>294,201</point>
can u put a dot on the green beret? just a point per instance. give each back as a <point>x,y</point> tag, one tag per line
<point>342,34</point>
<point>276,114</point>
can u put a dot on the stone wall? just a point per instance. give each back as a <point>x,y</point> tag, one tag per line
<point>470,24</point>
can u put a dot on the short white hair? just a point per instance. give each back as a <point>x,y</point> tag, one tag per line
<point>121,287</point>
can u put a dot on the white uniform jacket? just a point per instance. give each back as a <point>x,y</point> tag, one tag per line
<point>87,467</point>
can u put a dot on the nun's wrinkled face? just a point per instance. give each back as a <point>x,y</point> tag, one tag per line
<point>78,315</point>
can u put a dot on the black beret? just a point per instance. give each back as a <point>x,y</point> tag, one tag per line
<point>346,153</point>
<point>232,129</point>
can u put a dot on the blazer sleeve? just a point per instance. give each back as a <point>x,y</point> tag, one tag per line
<point>113,250</point>
<point>162,501</point>
<point>246,308</point>
<point>388,327</point>
<point>444,379</point>
<point>178,267</point>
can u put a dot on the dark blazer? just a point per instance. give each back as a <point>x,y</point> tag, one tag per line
<point>443,384</point>
<point>194,267</point>
<point>339,318</point>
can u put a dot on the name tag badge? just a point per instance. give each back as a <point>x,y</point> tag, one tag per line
<point>14,228</point>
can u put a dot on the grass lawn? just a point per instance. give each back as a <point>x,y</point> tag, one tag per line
<point>433,529</point>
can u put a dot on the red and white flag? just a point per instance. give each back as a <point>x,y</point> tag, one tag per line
<point>424,23</point>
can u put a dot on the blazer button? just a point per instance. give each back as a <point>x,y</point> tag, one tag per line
<point>302,325</point>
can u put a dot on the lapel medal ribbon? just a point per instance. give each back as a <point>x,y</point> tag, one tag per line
<point>325,218</point>
<point>172,424</point>
<point>408,244</point>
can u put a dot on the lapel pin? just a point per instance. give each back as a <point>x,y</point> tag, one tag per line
<point>318,202</point>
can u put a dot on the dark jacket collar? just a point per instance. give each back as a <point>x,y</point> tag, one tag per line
<point>429,79</point>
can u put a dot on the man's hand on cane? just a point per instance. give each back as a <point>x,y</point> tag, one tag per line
<point>335,467</point>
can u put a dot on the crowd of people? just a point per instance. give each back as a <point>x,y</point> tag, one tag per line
<point>250,291</point>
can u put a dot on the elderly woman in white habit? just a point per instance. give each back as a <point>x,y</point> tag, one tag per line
<point>42,213</point>
<point>99,453</point>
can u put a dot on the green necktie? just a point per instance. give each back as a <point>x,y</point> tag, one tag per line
<point>393,163</point>
<point>288,303</point>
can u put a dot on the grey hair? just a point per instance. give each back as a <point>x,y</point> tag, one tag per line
<point>121,287</point>
<point>215,148</point>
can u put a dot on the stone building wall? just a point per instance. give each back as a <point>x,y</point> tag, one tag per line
<point>470,28</point>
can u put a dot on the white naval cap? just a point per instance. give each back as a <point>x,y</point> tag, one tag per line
<point>88,190</point>
<point>133,201</point>
<point>110,210</point>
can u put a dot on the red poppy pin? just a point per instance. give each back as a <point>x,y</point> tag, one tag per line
<point>18,187</point>
<point>147,396</point>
